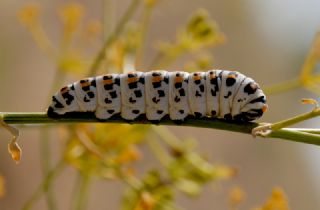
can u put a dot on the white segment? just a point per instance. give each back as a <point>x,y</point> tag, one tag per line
<point>157,97</point>
<point>73,105</point>
<point>241,97</point>
<point>87,99</point>
<point>213,84</point>
<point>178,105</point>
<point>197,93</point>
<point>129,102</point>
<point>229,92</point>
<point>225,93</point>
<point>109,96</point>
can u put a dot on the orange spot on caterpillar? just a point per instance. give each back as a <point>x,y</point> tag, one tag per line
<point>178,79</point>
<point>107,82</point>
<point>213,75</point>
<point>157,79</point>
<point>84,83</point>
<point>265,108</point>
<point>64,90</point>
<point>234,76</point>
<point>196,77</point>
<point>132,79</point>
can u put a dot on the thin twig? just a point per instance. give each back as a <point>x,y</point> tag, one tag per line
<point>283,86</point>
<point>296,119</point>
<point>246,128</point>
<point>113,36</point>
<point>45,185</point>
<point>81,191</point>
<point>144,27</point>
<point>268,128</point>
<point>311,59</point>
<point>45,151</point>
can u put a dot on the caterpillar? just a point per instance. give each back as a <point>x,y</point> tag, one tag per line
<point>224,94</point>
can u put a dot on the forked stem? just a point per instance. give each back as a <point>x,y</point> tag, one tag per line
<point>267,129</point>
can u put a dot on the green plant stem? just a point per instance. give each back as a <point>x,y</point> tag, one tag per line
<point>113,36</point>
<point>158,151</point>
<point>246,128</point>
<point>45,185</point>
<point>108,13</point>
<point>296,135</point>
<point>81,191</point>
<point>290,85</point>
<point>144,27</point>
<point>167,136</point>
<point>283,86</point>
<point>131,181</point>
<point>45,153</point>
<point>45,150</point>
<point>294,120</point>
<point>305,130</point>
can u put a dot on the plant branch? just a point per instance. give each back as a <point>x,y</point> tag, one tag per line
<point>113,36</point>
<point>45,185</point>
<point>81,191</point>
<point>246,128</point>
<point>283,86</point>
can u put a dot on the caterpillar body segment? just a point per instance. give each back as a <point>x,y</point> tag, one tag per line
<point>132,95</point>
<point>232,81</point>
<point>109,96</point>
<point>216,93</point>
<point>157,94</point>
<point>197,93</point>
<point>213,84</point>
<point>179,107</point>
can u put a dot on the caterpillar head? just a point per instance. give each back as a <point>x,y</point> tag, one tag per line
<point>255,108</point>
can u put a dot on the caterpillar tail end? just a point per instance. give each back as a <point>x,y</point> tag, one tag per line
<point>52,114</point>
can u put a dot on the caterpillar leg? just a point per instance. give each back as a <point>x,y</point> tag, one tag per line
<point>102,113</point>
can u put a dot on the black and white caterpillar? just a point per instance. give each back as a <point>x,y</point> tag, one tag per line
<point>216,93</point>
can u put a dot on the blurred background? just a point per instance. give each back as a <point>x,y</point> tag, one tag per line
<point>266,40</point>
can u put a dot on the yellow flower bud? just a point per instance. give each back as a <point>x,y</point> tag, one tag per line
<point>150,3</point>
<point>128,155</point>
<point>29,14</point>
<point>277,201</point>
<point>2,188</point>
<point>71,13</point>
<point>225,172</point>
<point>147,202</point>
<point>309,101</point>
<point>93,29</point>
<point>236,196</point>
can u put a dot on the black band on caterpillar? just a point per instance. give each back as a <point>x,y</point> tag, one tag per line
<point>216,93</point>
